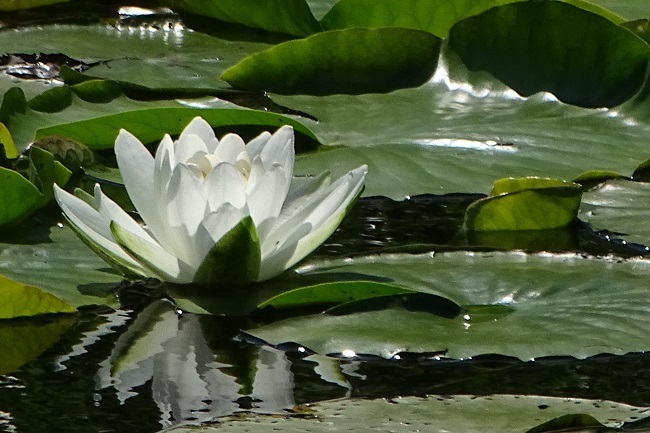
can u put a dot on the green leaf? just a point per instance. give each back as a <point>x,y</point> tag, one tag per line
<point>12,5</point>
<point>45,171</point>
<point>434,413</point>
<point>433,16</point>
<point>235,258</point>
<point>641,28</point>
<point>22,340</point>
<point>554,306</point>
<point>341,61</point>
<point>55,261</point>
<point>525,204</point>
<point>630,9</point>
<point>580,57</point>
<point>592,178</point>
<point>621,207</point>
<point>20,300</point>
<point>7,143</point>
<point>19,197</point>
<point>292,17</point>
<point>328,294</point>
<point>642,172</point>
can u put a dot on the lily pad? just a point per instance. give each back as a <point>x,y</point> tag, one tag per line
<point>435,17</point>
<point>580,57</point>
<point>19,197</point>
<point>54,260</point>
<point>328,294</point>
<point>525,204</point>
<point>454,414</point>
<point>21,300</point>
<point>341,61</point>
<point>557,311</point>
<point>97,124</point>
<point>292,17</point>
<point>621,207</point>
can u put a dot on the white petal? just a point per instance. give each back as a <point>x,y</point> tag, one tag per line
<point>267,196</point>
<point>152,256</point>
<point>136,166</point>
<point>254,147</point>
<point>191,146</point>
<point>199,127</point>
<point>322,221</point>
<point>215,226</point>
<point>186,202</point>
<point>224,184</point>
<point>229,148</point>
<point>300,202</point>
<point>279,149</point>
<point>164,161</point>
<point>95,230</point>
<point>112,212</point>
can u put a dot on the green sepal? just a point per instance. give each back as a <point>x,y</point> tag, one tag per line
<point>121,266</point>
<point>236,258</point>
<point>45,171</point>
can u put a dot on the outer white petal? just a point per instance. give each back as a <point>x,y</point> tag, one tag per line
<point>152,256</point>
<point>322,221</point>
<point>112,212</point>
<point>279,149</point>
<point>300,203</point>
<point>224,184</point>
<point>136,165</point>
<point>199,127</point>
<point>95,230</point>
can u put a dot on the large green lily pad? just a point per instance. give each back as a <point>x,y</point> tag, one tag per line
<point>557,310</point>
<point>580,57</point>
<point>351,61</point>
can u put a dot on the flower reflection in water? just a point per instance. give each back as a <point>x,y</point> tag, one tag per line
<point>189,381</point>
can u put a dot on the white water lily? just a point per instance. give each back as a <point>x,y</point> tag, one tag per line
<point>213,210</point>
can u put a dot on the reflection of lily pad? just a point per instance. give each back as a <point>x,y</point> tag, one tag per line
<point>557,311</point>
<point>24,339</point>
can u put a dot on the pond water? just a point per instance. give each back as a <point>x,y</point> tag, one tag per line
<point>149,365</point>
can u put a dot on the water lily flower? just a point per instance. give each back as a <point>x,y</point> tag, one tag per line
<point>213,210</point>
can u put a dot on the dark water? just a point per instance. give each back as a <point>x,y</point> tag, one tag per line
<point>149,366</point>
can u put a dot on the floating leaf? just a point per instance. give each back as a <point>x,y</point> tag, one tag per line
<point>455,413</point>
<point>328,294</point>
<point>19,197</point>
<point>434,16</point>
<point>555,310</point>
<point>12,5</point>
<point>525,204</point>
<point>45,171</point>
<point>292,17</point>
<point>56,261</point>
<point>7,143</point>
<point>621,207</point>
<point>592,178</point>
<point>341,61</point>
<point>642,172</point>
<point>580,57</point>
<point>20,300</point>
